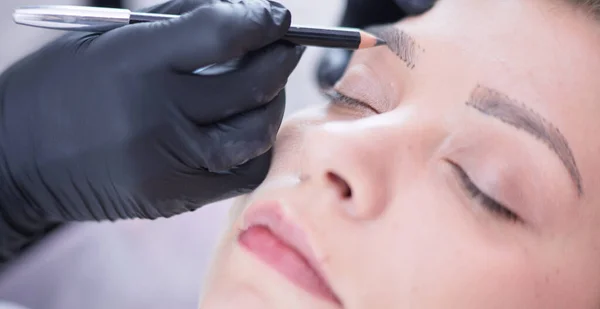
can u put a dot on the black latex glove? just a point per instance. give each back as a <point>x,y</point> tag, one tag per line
<point>114,125</point>
<point>361,14</point>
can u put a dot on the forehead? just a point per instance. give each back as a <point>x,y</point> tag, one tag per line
<point>540,49</point>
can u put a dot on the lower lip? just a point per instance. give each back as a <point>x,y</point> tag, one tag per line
<point>261,242</point>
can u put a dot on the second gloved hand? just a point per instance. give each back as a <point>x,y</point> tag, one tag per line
<point>361,14</point>
<point>115,125</point>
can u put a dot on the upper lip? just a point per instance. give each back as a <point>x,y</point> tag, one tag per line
<point>272,217</point>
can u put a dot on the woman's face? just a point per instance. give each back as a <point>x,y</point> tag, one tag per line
<point>464,174</point>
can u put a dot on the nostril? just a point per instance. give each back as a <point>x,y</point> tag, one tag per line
<point>341,184</point>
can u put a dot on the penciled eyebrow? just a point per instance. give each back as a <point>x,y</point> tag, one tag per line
<point>399,42</point>
<point>493,103</point>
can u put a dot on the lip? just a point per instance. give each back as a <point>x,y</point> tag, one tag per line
<point>270,215</point>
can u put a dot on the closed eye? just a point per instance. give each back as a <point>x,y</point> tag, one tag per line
<point>338,98</point>
<point>484,200</point>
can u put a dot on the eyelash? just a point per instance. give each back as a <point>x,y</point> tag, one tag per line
<point>481,198</point>
<point>341,99</point>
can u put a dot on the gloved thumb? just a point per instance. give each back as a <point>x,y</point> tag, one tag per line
<point>212,32</point>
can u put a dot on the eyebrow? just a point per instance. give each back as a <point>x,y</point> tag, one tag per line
<point>399,42</point>
<point>496,104</point>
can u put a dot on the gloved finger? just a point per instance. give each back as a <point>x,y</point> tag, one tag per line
<point>251,174</point>
<point>332,66</point>
<point>211,33</point>
<point>246,177</point>
<point>241,138</point>
<point>191,187</point>
<point>262,77</point>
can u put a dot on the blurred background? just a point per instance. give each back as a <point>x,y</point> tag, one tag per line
<point>134,264</point>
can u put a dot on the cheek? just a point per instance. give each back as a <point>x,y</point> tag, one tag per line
<point>287,147</point>
<point>291,139</point>
<point>436,257</point>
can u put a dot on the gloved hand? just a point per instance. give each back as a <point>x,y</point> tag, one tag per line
<point>361,14</point>
<point>115,125</point>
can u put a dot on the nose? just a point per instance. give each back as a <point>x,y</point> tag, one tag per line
<point>353,161</point>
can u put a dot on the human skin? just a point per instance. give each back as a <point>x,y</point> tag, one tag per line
<point>410,235</point>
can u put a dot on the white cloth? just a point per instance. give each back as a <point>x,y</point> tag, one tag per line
<point>7,305</point>
<point>129,264</point>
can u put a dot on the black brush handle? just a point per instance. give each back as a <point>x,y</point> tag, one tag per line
<point>338,38</point>
<point>300,35</point>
